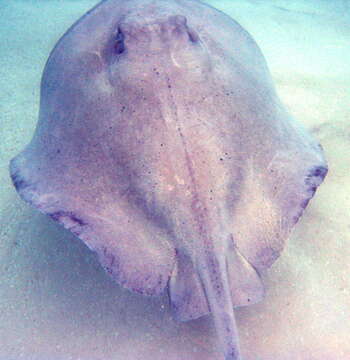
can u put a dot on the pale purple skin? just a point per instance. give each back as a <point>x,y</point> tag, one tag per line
<point>162,144</point>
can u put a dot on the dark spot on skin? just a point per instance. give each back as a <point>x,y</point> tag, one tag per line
<point>193,36</point>
<point>313,189</point>
<point>320,171</point>
<point>221,159</point>
<point>18,182</point>
<point>109,261</point>
<point>304,203</point>
<point>296,218</point>
<point>232,355</point>
<point>122,109</point>
<point>58,151</point>
<point>316,172</point>
<point>314,178</point>
<point>119,46</point>
<point>58,215</point>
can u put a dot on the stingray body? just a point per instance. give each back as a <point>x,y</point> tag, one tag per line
<point>162,144</point>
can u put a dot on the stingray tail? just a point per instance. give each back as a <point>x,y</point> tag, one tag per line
<point>214,277</point>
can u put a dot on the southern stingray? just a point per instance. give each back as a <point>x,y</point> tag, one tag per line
<point>162,144</point>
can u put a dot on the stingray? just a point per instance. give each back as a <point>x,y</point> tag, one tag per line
<point>162,144</point>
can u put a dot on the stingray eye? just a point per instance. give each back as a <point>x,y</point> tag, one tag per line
<point>119,46</point>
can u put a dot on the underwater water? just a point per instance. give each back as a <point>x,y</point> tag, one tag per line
<point>56,301</point>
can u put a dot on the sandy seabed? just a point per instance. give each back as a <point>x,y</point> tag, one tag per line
<point>56,302</point>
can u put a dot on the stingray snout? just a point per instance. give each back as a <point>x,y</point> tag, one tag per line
<point>156,35</point>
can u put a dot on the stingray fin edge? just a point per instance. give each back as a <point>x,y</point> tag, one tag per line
<point>187,297</point>
<point>148,275</point>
